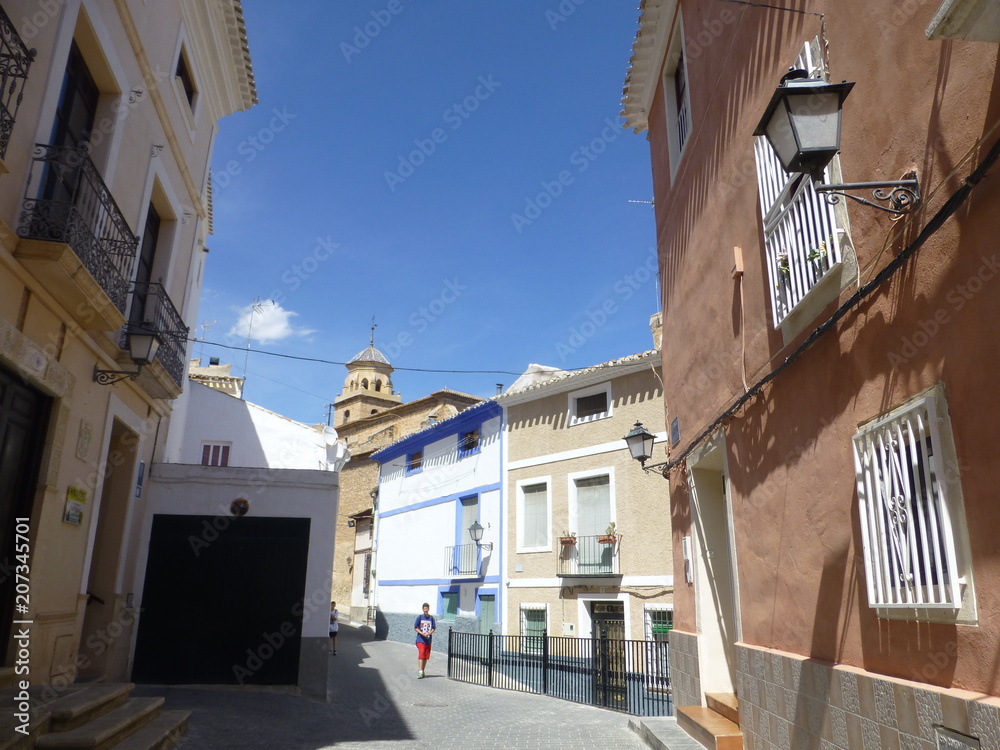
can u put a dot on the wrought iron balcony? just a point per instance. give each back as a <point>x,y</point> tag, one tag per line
<point>590,556</point>
<point>156,311</point>
<point>461,560</point>
<point>15,59</point>
<point>67,201</point>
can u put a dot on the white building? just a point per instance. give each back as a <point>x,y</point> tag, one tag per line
<point>237,549</point>
<point>433,487</point>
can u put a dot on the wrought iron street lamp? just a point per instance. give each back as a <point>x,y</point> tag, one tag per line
<point>143,343</point>
<point>802,124</point>
<point>640,444</point>
<point>476,532</point>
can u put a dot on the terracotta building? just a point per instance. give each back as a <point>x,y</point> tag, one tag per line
<point>369,416</point>
<point>829,388</point>
<point>109,113</point>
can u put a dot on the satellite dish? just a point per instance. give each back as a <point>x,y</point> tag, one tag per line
<point>330,436</point>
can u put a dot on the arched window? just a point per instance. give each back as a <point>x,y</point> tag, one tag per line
<point>374,411</point>
<point>378,385</point>
<point>347,415</point>
<point>364,384</point>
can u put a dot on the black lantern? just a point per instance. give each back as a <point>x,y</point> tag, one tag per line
<point>802,124</point>
<point>143,341</point>
<point>476,532</point>
<point>640,443</point>
<point>802,121</point>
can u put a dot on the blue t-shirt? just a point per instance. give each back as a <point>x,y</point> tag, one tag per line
<point>425,624</point>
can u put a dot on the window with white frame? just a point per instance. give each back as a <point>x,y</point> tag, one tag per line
<point>533,516</point>
<point>677,99</point>
<point>802,231</point>
<point>590,404</point>
<point>214,454</point>
<point>913,533</point>
<point>593,504</point>
<point>533,627</point>
<point>469,442</point>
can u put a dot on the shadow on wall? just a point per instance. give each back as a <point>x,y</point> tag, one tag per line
<point>381,626</point>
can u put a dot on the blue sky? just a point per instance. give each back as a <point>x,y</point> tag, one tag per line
<point>456,169</point>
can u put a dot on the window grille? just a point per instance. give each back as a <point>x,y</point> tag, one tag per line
<point>907,518</point>
<point>215,455</point>
<point>532,628</point>
<point>801,232</point>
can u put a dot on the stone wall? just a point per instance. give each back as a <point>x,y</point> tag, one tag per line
<point>685,676</point>
<point>787,701</point>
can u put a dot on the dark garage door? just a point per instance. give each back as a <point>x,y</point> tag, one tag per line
<point>222,602</point>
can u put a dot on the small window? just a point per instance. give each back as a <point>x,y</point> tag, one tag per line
<point>214,455</point>
<point>533,517</point>
<point>414,462</point>
<point>183,74</point>
<point>913,532</point>
<point>378,385</point>
<point>590,404</point>
<point>468,443</point>
<point>347,414</point>
<point>374,411</point>
<point>364,384</point>
<point>677,98</point>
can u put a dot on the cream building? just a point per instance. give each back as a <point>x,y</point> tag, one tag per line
<point>111,110</point>
<point>587,533</point>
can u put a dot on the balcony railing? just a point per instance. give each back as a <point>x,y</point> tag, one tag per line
<point>15,59</point>
<point>159,313</point>
<point>461,560</point>
<point>590,556</point>
<point>67,201</point>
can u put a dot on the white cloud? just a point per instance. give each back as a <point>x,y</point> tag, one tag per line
<point>266,322</point>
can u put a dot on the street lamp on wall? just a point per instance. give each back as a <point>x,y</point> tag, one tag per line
<point>640,444</point>
<point>802,124</point>
<point>143,342</point>
<point>476,532</point>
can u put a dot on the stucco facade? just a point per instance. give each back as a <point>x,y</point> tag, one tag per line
<point>554,455</point>
<point>433,486</point>
<point>781,480</point>
<point>104,214</point>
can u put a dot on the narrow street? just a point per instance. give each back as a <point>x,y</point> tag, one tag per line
<point>376,701</point>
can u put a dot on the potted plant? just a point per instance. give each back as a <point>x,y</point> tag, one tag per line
<point>609,536</point>
<point>568,538</point>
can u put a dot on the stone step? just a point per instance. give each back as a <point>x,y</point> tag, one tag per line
<point>711,729</point>
<point>161,733</point>
<point>85,704</point>
<point>107,730</point>
<point>726,704</point>
<point>11,739</point>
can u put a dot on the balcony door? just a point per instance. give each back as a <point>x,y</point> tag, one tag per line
<point>144,269</point>
<point>75,115</point>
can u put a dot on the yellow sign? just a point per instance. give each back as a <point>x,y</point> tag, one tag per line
<point>76,500</point>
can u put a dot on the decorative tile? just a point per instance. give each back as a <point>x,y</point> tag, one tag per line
<point>866,696</point>
<point>928,713</point>
<point>854,740</point>
<point>814,711</point>
<point>793,674</point>
<point>885,704</point>
<point>783,741</point>
<point>984,723</point>
<point>838,720</point>
<point>791,700</point>
<point>955,713</point>
<point>909,742</point>
<point>778,669</point>
<point>888,738</point>
<point>764,726</point>
<point>849,691</point>
<point>772,697</point>
<point>758,664</point>
<point>870,734</point>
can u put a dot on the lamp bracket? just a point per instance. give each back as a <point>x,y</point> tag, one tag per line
<point>903,195</point>
<point>488,546</point>
<point>110,377</point>
<point>660,468</point>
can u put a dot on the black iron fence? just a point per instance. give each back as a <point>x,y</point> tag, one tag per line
<point>624,675</point>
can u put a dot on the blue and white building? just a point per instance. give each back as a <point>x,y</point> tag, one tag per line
<point>434,486</point>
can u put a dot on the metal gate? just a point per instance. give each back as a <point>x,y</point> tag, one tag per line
<point>223,601</point>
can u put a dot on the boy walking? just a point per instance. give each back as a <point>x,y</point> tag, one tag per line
<point>424,626</point>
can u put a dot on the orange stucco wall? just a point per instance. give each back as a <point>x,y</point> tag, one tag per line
<point>918,104</point>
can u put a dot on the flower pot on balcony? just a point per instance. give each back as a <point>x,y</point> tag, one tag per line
<point>607,538</point>
<point>567,541</point>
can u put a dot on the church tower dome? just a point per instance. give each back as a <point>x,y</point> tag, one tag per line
<point>367,386</point>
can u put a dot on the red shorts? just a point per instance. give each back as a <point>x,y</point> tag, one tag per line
<point>423,650</point>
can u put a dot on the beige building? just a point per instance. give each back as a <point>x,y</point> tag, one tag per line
<point>105,140</point>
<point>587,534</point>
<point>369,416</point>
